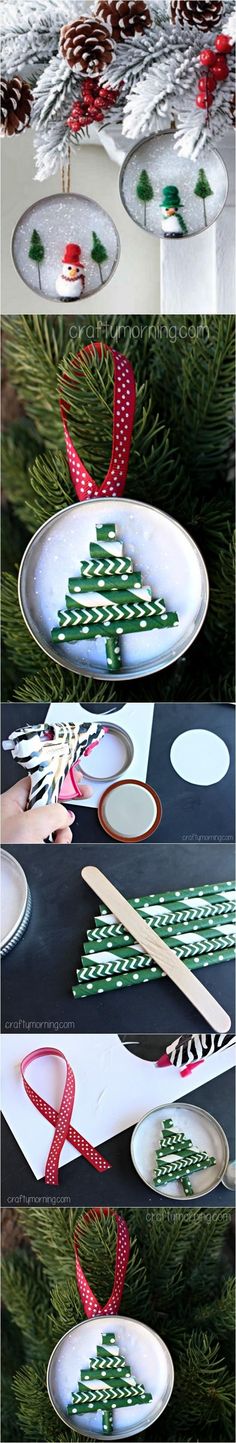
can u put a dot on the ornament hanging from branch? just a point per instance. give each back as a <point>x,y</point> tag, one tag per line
<point>53,243</point>
<point>112,1360</point>
<point>158,189</point>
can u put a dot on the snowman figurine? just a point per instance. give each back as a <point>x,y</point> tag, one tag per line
<point>173,223</point>
<point>70,283</point>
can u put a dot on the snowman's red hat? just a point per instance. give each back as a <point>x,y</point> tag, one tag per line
<point>71,256</point>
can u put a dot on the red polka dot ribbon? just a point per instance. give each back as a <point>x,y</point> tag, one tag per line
<point>91,1305</point>
<point>60,1119</point>
<point>123,417</point>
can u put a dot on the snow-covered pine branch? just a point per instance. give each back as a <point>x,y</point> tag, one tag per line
<point>165,88</point>
<point>30,31</point>
<point>157,72</point>
<point>152,103</point>
<point>131,60</point>
<point>54,93</point>
<point>51,148</point>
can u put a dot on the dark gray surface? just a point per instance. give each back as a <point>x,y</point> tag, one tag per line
<point>81,1186</point>
<point>38,975</point>
<point>189,812</point>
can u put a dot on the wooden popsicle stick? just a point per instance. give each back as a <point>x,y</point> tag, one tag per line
<point>165,958</point>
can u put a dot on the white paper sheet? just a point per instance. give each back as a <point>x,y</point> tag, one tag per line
<point>114,1089</point>
<point>134,718</point>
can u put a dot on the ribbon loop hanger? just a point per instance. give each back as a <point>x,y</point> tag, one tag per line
<point>91,1304</point>
<point>123,418</point>
<point>60,1118</point>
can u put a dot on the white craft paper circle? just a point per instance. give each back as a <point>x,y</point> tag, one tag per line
<point>14,899</point>
<point>112,757</point>
<point>61,220</point>
<point>147,1355</point>
<point>200,757</point>
<point>157,155</point>
<point>203,1130</point>
<point>170,563</point>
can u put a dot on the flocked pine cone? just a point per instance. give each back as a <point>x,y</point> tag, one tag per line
<point>86,42</point>
<point>16,102</point>
<point>124,17</point>
<point>205,14</point>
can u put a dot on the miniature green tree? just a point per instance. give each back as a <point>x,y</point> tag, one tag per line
<point>118,1387</point>
<point>176,1157</point>
<point>203,189</point>
<point>36,252</point>
<point>144,191</point>
<point>98,253</point>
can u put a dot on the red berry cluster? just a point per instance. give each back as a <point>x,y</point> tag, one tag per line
<point>92,105</point>
<point>217,70</point>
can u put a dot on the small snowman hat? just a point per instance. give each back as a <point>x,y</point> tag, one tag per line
<point>71,256</point>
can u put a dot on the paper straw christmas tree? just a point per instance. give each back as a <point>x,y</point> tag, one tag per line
<point>109,600</point>
<point>199,925</point>
<point>118,1388</point>
<point>176,1157</point>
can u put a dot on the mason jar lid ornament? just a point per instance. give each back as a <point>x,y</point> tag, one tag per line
<point>152,597</point>
<point>180,1151</point>
<point>65,247</point>
<point>171,196</point>
<point>110,1376</point>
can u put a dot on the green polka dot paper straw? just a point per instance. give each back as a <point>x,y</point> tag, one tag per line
<point>113,655</point>
<point>212,889</point>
